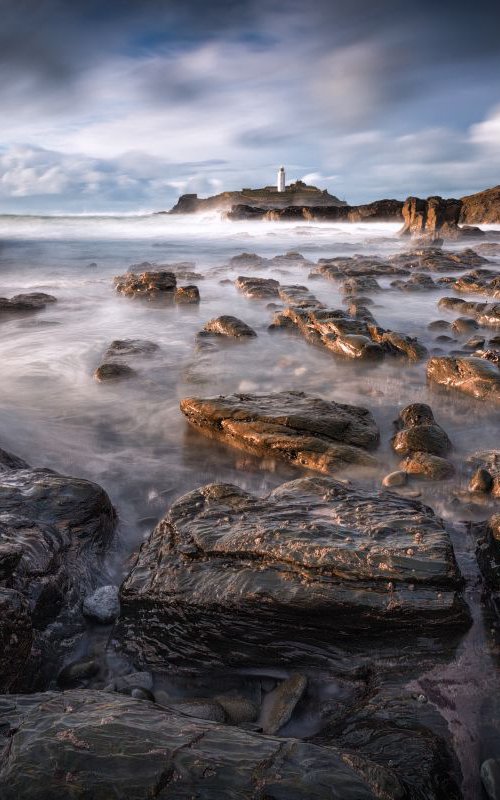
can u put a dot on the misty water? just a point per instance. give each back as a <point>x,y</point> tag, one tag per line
<point>130,436</point>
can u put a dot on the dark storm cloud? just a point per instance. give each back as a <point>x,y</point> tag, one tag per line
<point>54,40</point>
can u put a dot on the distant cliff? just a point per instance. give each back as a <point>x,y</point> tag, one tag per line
<point>296,194</point>
<point>300,201</point>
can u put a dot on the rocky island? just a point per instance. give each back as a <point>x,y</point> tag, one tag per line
<point>300,201</point>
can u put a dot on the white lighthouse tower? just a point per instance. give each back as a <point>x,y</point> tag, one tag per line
<point>281,179</point>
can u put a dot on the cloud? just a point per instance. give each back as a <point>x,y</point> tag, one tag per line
<point>126,104</point>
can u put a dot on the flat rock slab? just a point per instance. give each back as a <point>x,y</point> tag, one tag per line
<point>342,267</point>
<point>434,259</point>
<point>96,745</point>
<point>53,529</point>
<point>292,426</point>
<point>471,375</point>
<point>228,578</point>
<point>257,288</point>
<point>300,296</point>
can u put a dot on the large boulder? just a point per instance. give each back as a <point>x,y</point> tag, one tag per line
<point>471,375</point>
<point>231,579</point>
<point>291,426</point>
<point>94,745</point>
<point>53,532</point>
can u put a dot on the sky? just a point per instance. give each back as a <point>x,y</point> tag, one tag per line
<point>120,106</point>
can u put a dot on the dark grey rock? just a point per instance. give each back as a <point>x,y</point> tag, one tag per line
<point>59,742</point>
<point>243,579</point>
<point>281,702</point>
<point>103,605</point>
<point>54,531</point>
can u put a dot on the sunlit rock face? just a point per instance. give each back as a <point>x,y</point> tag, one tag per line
<point>295,427</point>
<point>434,218</point>
<point>228,578</point>
<point>357,337</point>
<point>470,375</point>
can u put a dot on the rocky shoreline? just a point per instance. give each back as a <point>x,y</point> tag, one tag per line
<point>269,642</point>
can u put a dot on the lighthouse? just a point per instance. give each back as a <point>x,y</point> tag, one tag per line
<point>281,179</point>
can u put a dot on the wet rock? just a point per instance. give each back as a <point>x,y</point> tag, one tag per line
<point>281,702</point>
<point>25,303</point>
<point>474,343</point>
<point>123,348</point>
<point>200,708</point>
<point>420,432</point>
<point>361,299</point>
<point>298,296</point>
<point>397,478</point>
<point>238,709</point>
<point>115,367</point>
<point>113,371</point>
<point>481,481</point>
<point>428,466</point>
<point>16,630</point>
<point>102,605</point>
<point>342,267</point>
<point>149,285</point>
<point>227,326</point>
<point>479,281</point>
<point>490,777</point>
<point>248,260</point>
<point>58,742</point>
<point>54,531</point>
<point>488,554</point>
<point>486,314</point>
<point>257,288</point>
<point>464,325</point>
<point>359,311</point>
<point>470,375</point>
<point>187,295</point>
<point>358,285</point>
<point>436,259</point>
<point>292,426</point>
<point>282,575</point>
<point>134,680</point>
<point>419,282</point>
<point>78,673</point>
<point>347,336</point>
<point>487,461</point>
<point>443,338</point>
<point>142,694</point>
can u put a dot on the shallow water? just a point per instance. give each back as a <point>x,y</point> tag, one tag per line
<point>131,437</point>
